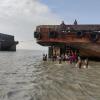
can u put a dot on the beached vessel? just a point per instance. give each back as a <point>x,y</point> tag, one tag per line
<point>62,38</point>
<point>7,42</point>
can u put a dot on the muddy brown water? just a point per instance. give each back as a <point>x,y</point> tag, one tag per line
<point>24,76</point>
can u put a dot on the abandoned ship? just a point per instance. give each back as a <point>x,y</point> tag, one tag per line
<point>7,42</point>
<point>84,38</point>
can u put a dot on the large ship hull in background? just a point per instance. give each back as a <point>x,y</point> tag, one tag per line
<point>83,38</point>
<point>7,42</point>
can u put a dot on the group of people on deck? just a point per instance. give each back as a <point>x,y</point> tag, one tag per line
<point>71,57</point>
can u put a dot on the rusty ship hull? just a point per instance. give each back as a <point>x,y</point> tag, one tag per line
<point>84,38</point>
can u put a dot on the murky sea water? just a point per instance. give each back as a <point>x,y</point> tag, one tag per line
<point>24,76</point>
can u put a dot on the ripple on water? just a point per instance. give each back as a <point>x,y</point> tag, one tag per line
<point>25,77</point>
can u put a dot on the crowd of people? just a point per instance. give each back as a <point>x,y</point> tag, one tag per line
<point>72,57</point>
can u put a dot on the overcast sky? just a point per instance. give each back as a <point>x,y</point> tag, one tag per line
<point>20,17</point>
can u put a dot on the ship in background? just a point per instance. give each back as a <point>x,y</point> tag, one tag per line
<point>7,42</point>
<point>83,38</point>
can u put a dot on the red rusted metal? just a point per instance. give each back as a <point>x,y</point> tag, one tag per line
<point>67,35</point>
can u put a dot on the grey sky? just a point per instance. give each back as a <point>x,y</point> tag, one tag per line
<point>20,18</point>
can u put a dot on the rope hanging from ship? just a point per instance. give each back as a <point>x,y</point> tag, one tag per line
<point>79,34</point>
<point>94,36</point>
<point>37,35</point>
<point>53,34</point>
